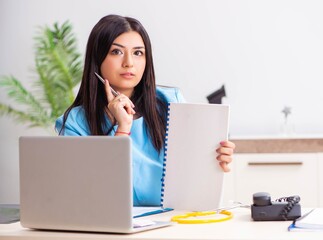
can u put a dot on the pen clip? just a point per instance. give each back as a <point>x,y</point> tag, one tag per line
<point>114,92</point>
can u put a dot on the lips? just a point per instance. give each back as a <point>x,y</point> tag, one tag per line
<point>127,75</point>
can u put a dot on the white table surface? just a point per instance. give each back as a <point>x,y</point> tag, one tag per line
<point>240,227</point>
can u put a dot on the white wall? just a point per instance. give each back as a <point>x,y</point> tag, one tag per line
<point>269,54</point>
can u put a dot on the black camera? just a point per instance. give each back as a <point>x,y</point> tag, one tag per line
<point>263,209</point>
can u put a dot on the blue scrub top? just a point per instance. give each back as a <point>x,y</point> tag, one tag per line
<point>147,161</point>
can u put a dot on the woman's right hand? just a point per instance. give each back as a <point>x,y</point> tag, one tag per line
<point>121,108</point>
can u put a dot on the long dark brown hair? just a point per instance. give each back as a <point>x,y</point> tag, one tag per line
<point>92,96</point>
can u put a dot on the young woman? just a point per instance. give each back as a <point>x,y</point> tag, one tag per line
<point>119,50</point>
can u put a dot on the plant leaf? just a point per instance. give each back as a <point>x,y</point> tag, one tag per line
<point>58,65</point>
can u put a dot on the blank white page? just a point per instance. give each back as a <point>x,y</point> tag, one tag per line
<point>193,178</point>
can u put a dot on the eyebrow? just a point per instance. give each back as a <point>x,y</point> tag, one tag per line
<point>119,45</point>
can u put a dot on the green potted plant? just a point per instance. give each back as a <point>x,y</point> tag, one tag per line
<point>58,65</point>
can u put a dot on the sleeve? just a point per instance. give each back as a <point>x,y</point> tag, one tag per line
<point>179,96</point>
<point>171,94</point>
<point>75,125</point>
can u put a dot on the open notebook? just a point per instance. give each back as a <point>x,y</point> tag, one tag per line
<point>310,221</point>
<point>193,179</point>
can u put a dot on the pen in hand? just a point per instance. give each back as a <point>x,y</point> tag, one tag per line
<point>114,92</point>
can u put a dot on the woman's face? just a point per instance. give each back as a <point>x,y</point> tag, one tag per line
<point>125,62</point>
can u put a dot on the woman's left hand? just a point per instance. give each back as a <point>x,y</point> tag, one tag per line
<point>225,152</point>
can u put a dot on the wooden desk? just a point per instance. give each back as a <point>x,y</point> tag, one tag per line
<point>240,227</point>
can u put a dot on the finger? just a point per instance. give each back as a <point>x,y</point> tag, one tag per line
<point>224,158</point>
<point>128,107</point>
<point>224,167</point>
<point>228,144</point>
<point>125,103</point>
<point>110,96</point>
<point>224,150</point>
<point>131,103</point>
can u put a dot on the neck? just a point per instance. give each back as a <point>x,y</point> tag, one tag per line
<point>126,92</point>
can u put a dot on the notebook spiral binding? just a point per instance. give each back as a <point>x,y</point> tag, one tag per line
<point>165,158</point>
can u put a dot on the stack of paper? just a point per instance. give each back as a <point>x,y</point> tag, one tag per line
<point>312,221</point>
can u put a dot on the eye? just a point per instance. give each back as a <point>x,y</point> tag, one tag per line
<point>139,53</point>
<point>116,52</point>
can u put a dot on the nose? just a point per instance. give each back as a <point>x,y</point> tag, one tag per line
<point>128,61</point>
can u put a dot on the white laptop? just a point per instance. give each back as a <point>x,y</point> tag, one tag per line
<point>78,184</point>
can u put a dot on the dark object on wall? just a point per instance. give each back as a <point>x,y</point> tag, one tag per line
<point>216,97</point>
